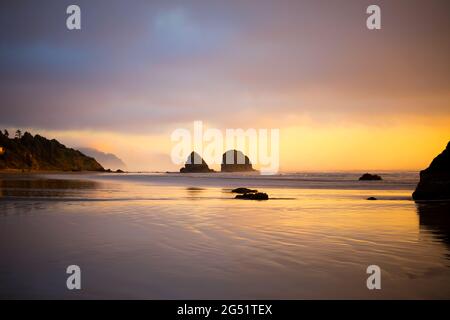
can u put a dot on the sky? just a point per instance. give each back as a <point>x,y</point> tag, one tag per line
<point>343,97</point>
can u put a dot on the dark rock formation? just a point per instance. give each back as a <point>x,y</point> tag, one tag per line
<point>434,181</point>
<point>253,196</point>
<point>195,163</point>
<point>369,177</point>
<point>235,161</point>
<point>107,160</point>
<point>40,154</point>
<point>243,190</point>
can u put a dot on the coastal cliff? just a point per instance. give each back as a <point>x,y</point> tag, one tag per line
<point>107,160</point>
<point>434,181</point>
<point>36,153</point>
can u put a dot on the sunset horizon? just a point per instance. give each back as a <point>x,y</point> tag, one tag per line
<point>368,100</point>
<point>321,150</point>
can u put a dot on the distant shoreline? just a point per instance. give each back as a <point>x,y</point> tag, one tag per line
<point>19,171</point>
<point>27,171</point>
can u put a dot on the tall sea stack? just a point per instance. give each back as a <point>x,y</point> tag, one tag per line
<point>195,163</point>
<point>235,161</point>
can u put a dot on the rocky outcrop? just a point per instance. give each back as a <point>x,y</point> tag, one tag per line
<point>37,153</point>
<point>253,196</point>
<point>195,164</point>
<point>235,161</point>
<point>243,190</point>
<point>370,177</point>
<point>434,181</point>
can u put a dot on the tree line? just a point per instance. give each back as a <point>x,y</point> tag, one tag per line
<point>17,135</point>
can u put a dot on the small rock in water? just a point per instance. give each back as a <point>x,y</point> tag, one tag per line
<point>243,190</point>
<point>368,177</point>
<point>253,196</point>
<point>371,198</point>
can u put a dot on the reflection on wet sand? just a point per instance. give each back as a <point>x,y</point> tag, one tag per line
<point>194,193</point>
<point>435,217</point>
<point>152,235</point>
<point>40,187</point>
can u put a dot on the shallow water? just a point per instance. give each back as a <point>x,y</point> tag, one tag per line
<point>167,236</point>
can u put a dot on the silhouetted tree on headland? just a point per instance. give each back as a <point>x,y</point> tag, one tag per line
<point>6,133</point>
<point>18,134</point>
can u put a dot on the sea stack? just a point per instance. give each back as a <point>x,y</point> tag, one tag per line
<point>434,181</point>
<point>195,164</point>
<point>235,161</point>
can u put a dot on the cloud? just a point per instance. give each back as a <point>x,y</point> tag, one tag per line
<point>147,66</point>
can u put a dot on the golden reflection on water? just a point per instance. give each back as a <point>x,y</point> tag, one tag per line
<point>304,243</point>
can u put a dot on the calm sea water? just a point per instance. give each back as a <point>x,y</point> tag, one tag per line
<point>168,236</point>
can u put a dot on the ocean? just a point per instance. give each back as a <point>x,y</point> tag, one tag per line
<point>184,236</point>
